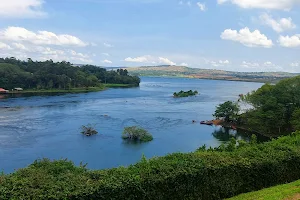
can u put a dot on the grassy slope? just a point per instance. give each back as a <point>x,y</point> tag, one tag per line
<point>280,192</point>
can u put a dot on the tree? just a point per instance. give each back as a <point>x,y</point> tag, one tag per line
<point>227,111</point>
<point>296,119</point>
<point>135,133</point>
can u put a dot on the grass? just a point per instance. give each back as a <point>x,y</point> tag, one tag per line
<point>289,191</point>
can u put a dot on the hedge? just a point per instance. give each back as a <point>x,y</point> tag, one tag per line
<point>205,174</point>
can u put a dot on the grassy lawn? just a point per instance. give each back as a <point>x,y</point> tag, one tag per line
<point>289,191</point>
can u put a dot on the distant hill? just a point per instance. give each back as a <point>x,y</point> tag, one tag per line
<point>182,71</point>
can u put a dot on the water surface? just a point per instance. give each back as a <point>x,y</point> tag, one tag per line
<point>49,126</point>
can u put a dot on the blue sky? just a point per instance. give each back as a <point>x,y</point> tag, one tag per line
<point>239,35</point>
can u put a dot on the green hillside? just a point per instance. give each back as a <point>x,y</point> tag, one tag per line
<point>181,71</point>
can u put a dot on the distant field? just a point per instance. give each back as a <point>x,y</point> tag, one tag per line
<point>289,191</point>
<point>181,71</point>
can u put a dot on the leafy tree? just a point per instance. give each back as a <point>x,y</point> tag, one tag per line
<point>227,111</point>
<point>296,119</point>
<point>48,74</point>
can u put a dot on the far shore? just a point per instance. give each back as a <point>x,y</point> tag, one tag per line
<point>259,80</point>
<point>72,90</point>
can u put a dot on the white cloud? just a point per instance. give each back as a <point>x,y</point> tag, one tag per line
<point>268,64</point>
<point>265,66</point>
<point>279,25</point>
<point>201,6</point>
<point>22,8</point>
<point>4,46</point>
<point>108,45</point>
<point>249,64</point>
<point>166,61</point>
<point>107,61</point>
<point>150,59</point>
<point>20,46</point>
<point>287,41</point>
<point>184,64</point>
<point>19,34</point>
<point>247,38</point>
<point>49,51</point>
<point>224,61</point>
<point>295,64</point>
<point>141,59</point>
<point>105,54</point>
<point>187,3</point>
<point>264,4</point>
<point>219,63</point>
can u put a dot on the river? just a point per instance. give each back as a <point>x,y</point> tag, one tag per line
<point>49,126</point>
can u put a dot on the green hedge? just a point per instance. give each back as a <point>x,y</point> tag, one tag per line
<point>206,174</point>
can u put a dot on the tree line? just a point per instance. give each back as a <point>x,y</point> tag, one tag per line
<point>58,75</point>
<point>272,109</point>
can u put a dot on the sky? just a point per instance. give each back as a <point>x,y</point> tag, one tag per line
<point>234,35</point>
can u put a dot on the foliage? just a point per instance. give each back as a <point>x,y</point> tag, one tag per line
<point>296,119</point>
<point>206,174</point>
<point>60,75</point>
<point>227,111</point>
<point>185,94</point>
<point>88,130</point>
<point>275,108</point>
<point>136,134</point>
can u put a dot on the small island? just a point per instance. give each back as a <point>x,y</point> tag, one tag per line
<point>134,133</point>
<point>185,94</point>
<point>88,130</point>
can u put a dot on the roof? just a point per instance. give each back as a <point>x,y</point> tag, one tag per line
<point>2,90</point>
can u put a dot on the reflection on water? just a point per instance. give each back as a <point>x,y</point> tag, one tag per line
<point>33,127</point>
<point>224,134</point>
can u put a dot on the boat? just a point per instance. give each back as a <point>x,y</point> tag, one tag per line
<point>210,123</point>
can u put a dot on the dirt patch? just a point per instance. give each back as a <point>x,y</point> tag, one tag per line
<point>295,197</point>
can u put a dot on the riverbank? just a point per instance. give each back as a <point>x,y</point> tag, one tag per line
<point>73,90</point>
<point>235,126</point>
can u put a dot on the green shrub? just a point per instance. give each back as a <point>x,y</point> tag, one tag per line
<point>135,133</point>
<point>185,94</point>
<point>205,174</point>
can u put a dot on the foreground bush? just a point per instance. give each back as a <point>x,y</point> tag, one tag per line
<point>135,133</point>
<point>206,174</point>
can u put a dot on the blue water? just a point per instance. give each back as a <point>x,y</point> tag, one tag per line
<point>49,126</point>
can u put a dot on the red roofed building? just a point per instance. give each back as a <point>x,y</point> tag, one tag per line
<point>3,91</point>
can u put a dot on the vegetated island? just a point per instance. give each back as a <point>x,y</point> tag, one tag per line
<point>30,76</point>
<point>185,94</point>
<point>211,74</point>
<point>88,130</point>
<point>136,134</point>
